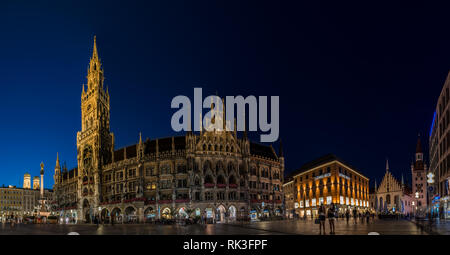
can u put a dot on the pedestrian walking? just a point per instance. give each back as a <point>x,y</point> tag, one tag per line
<point>331,218</point>
<point>355,215</point>
<point>367,216</point>
<point>322,219</point>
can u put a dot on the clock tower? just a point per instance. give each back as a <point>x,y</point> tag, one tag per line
<point>94,141</point>
<point>419,180</point>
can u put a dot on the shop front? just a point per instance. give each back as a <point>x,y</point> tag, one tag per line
<point>445,207</point>
<point>253,215</point>
<point>209,215</point>
<point>150,214</point>
<point>68,217</point>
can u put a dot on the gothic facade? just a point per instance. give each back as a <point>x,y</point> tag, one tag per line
<point>392,196</point>
<point>212,173</point>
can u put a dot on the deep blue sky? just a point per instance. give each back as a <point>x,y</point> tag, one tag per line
<point>360,81</point>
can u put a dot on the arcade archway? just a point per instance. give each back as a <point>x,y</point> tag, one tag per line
<point>232,213</point>
<point>220,214</point>
<point>149,214</point>
<point>87,212</point>
<point>130,215</point>
<point>105,215</point>
<point>116,215</point>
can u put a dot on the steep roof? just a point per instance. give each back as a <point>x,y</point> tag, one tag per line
<point>70,174</point>
<point>165,144</point>
<point>261,150</point>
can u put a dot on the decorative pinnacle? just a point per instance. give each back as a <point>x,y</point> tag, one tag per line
<point>57,160</point>
<point>94,52</point>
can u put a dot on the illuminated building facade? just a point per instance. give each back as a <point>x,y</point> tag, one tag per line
<point>439,146</point>
<point>213,173</point>
<point>15,202</point>
<point>324,181</point>
<point>36,183</point>
<point>392,196</point>
<point>11,202</point>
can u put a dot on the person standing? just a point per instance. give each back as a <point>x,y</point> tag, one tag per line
<point>355,215</point>
<point>331,218</point>
<point>322,219</point>
<point>347,215</point>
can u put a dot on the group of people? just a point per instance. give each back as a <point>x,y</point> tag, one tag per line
<point>332,215</point>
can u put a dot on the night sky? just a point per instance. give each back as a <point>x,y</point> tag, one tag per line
<point>359,81</point>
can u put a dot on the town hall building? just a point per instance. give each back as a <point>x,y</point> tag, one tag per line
<point>214,174</point>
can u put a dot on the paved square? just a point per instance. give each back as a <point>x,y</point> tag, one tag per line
<point>296,227</point>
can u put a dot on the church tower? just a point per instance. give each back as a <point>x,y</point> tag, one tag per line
<point>27,181</point>
<point>94,141</point>
<point>57,175</point>
<point>419,180</point>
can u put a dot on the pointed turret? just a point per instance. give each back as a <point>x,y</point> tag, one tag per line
<point>419,164</point>
<point>387,165</point>
<point>57,161</point>
<point>403,181</point>
<point>95,72</point>
<point>57,169</point>
<point>94,51</point>
<point>419,145</point>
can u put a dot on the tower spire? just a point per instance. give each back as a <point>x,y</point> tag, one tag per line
<point>95,72</point>
<point>95,52</point>
<point>57,160</point>
<point>419,145</point>
<point>387,165</point>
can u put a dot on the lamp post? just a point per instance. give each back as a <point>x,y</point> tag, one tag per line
<point>430,181</point>
<point>417,198</point>
<point>273,200</point>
